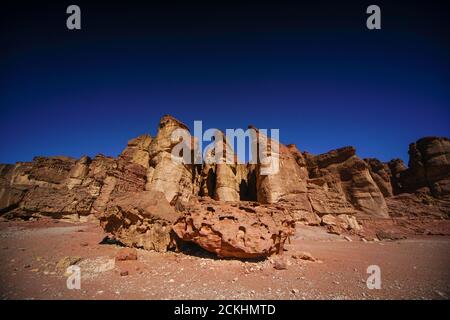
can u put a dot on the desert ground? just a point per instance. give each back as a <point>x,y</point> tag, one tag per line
<point>33,256</point>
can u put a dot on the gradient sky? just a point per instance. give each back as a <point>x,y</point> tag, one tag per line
<point>313,71</point>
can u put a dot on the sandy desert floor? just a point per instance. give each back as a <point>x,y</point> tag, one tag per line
<point>414,268</point>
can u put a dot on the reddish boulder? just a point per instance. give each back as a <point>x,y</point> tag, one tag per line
<point>234,231</point>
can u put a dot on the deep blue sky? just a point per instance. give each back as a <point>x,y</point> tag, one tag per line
<point>313,71</point>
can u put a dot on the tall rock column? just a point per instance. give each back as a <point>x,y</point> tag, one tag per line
<point>173,178</point>
<point>288,181</point>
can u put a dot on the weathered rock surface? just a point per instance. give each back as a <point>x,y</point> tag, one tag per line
<point>171,177</point>
<point>10,195</point>
<point>342,182</point>
<point>246,210</point>
<point>341,223</point>
<point>137,150</point>
<point>381,174</point>
<point>141,219</point>
<point>429,167</point>
<point>63,186</point>
<point>234,230</point>
<point>418,206</point>
<point>396,167</point>
<point>288,178</point>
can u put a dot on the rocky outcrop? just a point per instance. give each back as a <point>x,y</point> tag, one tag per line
<point>381,174</point>
<point>429,167</point>
<point>10,195</point>
<point>343,183</point>
<point>282,175</point>
<point>242,231</point>
<point>229,208</point>
<point>396,167</point>
<point>172,178</point>
<point>341,224</point>
<point>61,186</point>
<point>419,205</point>
<point>137,150</point>
<point>44,186</point>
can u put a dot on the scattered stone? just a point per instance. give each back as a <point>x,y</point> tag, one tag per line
<point>280,263</point>
<point>126,254</point>
<point>303,255</point>
<point>387,235</point>
<point>123,273</point>
<point>65,262</point>
<point>443,295</point>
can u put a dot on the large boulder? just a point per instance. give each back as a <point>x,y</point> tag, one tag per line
<point>142,220</point>
<point>232,230</point>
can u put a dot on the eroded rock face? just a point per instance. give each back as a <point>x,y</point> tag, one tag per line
<point>60,186</point>
<point>44,186</point>
<point>141,219</point>
<point>396,167</point>
<point>418,206</point>
<point>288,181</point>
<point>137,150</point>
<point>234,230</point>
<point>10,196</point>
<point>172,178</point>
<point>381,174</point>
<point>342,183</point>
<point>429,167</point>
<point>325,199</point>
<point>244,212</point>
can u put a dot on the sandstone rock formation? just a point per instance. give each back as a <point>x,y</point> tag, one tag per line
<point>429,167</point>
<point>289,181</point>
<point>137,150</point>
<point>381,174</point>
<point>396,167</point>
<point>141,219</point>
<point>150,199</point>
<point>173,178</point>
<point>341,183</point>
